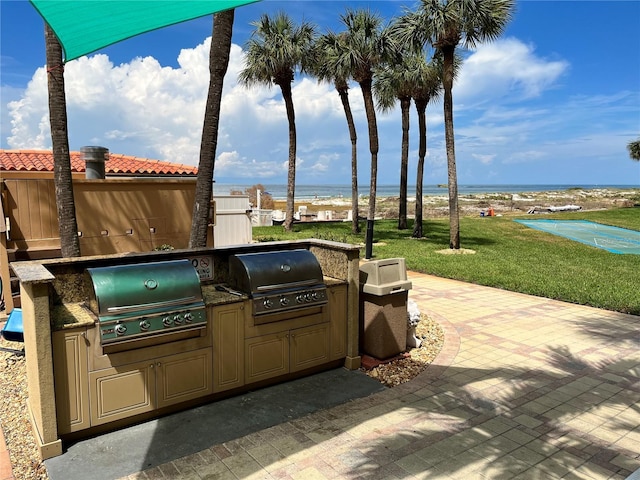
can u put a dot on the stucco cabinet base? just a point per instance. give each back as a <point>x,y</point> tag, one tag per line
<point>228,345</point>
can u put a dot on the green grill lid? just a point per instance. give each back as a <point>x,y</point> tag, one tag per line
<point>145,288</point>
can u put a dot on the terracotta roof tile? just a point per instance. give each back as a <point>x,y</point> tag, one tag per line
<point>42,161</point>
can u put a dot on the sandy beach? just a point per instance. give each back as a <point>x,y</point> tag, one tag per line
<point>471,205</point>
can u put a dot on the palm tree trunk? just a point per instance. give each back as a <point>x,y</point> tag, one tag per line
<point>218,63</point>
<point>447,83</point>
<point>421,107</point>
<point>291,174</point>
<point>344,97</point>
<point>405,104</point>
<point>369,108</point>
<point>69,241</point>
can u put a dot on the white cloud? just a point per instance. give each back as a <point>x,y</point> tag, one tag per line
<point>143,108</point>
<point>506,67</point>
<point>30,115</point>
<point>324,163</point>
<point>524,156</point>
<point>484,159</point>
<point>231,163</point>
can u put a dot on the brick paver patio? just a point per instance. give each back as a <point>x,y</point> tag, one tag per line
<point>525,388</point>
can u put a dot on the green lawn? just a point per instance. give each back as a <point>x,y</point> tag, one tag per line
<point>508,255</point>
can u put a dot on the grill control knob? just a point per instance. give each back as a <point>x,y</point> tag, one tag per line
<point>307,297</point>
<point>177,320</point>
<point>145,325</point>
<point>300,298</point>
<point>188,317</point>
<point>314,296</point>
<point>121,329</point>
<point>267,303</point>
<point>284,301</point>
<point>166,321</point>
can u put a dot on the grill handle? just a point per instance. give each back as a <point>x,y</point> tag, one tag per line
<point>147,306</point>
<point>290,285</point>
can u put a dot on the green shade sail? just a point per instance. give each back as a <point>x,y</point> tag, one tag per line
<point>84,26</point>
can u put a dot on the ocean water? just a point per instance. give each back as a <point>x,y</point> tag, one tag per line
<point>305,192</point>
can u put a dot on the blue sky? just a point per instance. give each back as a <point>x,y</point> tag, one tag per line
<point>554,101</point>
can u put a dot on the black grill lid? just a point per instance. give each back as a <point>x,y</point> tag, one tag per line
<point>145,287</point>
<point>257,273</point>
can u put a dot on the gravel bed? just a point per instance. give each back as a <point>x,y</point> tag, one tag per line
<point>26,463</point>
<point>14,417</point>
<point>409,364</point>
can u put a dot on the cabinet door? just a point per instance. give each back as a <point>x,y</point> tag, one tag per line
<point>183,376</point>
<point>228,346</point>
<point>309,347</point>
<point>121,392</point>
<point>70,371</point>
<point>338,320</point>
<point>266,356</point>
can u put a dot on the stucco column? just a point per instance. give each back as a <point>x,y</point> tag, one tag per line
<point>34,294</point>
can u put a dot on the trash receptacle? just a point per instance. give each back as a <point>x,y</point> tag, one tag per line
<point>384,291</point>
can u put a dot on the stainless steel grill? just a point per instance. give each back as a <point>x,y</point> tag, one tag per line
<point>141,300</point>
<point>279,281</point>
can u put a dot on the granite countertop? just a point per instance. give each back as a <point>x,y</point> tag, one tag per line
<point>330,281</point>
<point>213,297</point>
<point>71,315</point>
<point>31,272</point>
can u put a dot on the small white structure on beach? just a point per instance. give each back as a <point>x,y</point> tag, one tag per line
<point>325,215</point>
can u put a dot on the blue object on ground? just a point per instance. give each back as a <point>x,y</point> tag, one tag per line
<point>12,330</point>
<point>606,237</point>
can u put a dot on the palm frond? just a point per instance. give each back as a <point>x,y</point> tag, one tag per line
<point>276,50</point>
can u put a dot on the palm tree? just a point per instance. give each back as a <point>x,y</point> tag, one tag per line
<point>634,150</point>
<point>276,49</point>
<point>218,63</point>
<point>427,88</point>
<point>325,48</point>
<point>396,81</point>
<point>69,242</point>
<point>363,46</point>
<point>445,24</point>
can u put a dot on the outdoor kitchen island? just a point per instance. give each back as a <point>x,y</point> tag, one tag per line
<point>89,373</point>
